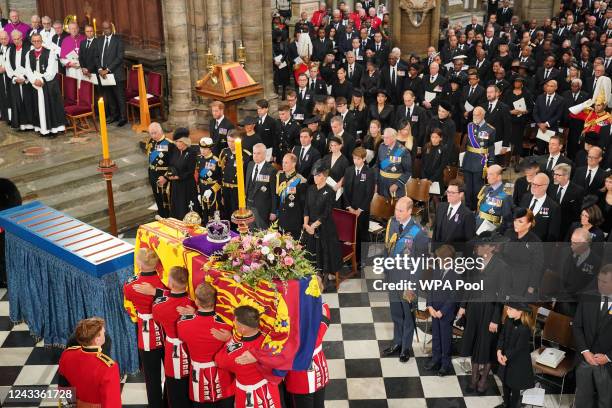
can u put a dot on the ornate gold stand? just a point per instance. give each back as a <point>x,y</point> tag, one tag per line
<point>107,167</point>
<point>243,217</point>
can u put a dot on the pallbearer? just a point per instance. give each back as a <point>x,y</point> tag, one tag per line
<point>208,174</point>
<point>290,196</point>
<point>253,389</point>
<point>93,374</point>
<point>204,334</point>
<point>150,336</point>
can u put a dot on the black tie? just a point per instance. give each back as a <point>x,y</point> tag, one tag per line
<point>606,306</point>
<point>255,171</point>
<point>450,211</point>
<point>88,43</point>
<point>393,76</point>
<point>588,178</point>
<point>312,85</point>
<point>490,107</point>
<point>470,92</point>
<point>546,73</point>
<point>550,163</point>
<point>548,98</point>
<point>533,204</point>
<point>401,229</point>
<point>302,154</point>
<point>559,193</point>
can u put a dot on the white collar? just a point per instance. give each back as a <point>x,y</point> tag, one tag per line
<point>262,118</point>
<point>305,148</point>
<point>593,169</point>
<point>565,186</point>
<point>220,119</point>
<point>360,168</point>
<point>554,157</point>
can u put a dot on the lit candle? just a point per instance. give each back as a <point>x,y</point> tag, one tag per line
<point>240,174</point>
<point>94,27</point>
<point>103,133</point>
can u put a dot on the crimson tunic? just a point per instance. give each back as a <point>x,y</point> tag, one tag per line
<point>252,388</point>
<point>94,375</point>
<point>176,361</point>
<point>150,336</point>
<point>317,376</point>
<point>207,382</point>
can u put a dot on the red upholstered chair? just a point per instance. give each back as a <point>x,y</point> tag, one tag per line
<point>346,225</point>
<point>131,86</point>
<point>155,89</point>
<point>79,114</point>
<point>70,91</point>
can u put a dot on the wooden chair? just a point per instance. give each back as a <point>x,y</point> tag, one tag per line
<point>418,191</point>
<point>79,114</point>
<point>70,91</point>
<point>131,85</point>
<point>346,226</point>
<point>381,210</point>
<point>155,89</point>
<point>449,173</point>
<point>557,330</point>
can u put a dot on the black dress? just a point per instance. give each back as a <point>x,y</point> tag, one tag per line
<point>515,342</point>
<point>369,84</point>
<point>606,210</point>
<point>385,117</point>
<point>336,171</point>
<point>477,341</point>
<point>519,123</point>
<point>344,89</point>
<point>183,190</point>
<point>323,247</point>
<point>281,75</point>
<point>525,256</point>
<point>361,123</point>
<point>434,162</point>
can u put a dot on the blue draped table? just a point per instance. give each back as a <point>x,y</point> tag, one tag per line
<point>51,296</point>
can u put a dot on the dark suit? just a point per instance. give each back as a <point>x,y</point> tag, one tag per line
<point>477,98</point>
<point>547,220</point>
<point>593,332</point>
<point>110,57</point>
<point>551,114</point>
<point>478,28</point>
<point>521,188</point>
<point>358,193</point>
<point>460,228</point>
<point>504,15</point>
<point>571,203</point>
<point>320,48</point>
<point>443,300</point>
<point>543,161</point>
<point>87,55</point>
<point>218,134</point>
<point>267,131</point>
<point>438,86</point>
<point>261,193</point>
<point>575,126</point>
<point>597,180</point>
<point>304,165</point>
<point>381,54</point>
<point>501,121</point>
<point>306,101</point>
<point>484,70</point>
<point>395,89</point>
<point>358,70</point>
<point>539,78</point>
<point>318,88</point>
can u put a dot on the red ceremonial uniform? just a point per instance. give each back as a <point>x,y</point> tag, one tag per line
<point>207,382</point>
<point>93,374</point>
<point>592,121</point>
<point>150,336</point>
<point>176,361</point>
<point>252,388</point>
<point>317,376</point>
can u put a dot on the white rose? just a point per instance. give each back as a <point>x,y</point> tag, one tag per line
<point>265,250</point>
<point>270,257</point>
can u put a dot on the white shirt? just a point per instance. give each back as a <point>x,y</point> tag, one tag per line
<point>256,169</point>
<point>554,160</point>
<point>538,205</point>
<point>219,120</point>
<point>453,209</point>
<point>593,171</point>
<point>304,151</point>
<point>563,191</point>
<point>432,78</point>
<point>262,118</point>
<point>357,170</point>
<point>493,104</point>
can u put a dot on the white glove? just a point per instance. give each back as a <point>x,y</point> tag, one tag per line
<point>207,194</point>
<point>199,198</point>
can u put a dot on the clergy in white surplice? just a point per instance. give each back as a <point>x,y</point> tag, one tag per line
<point>21,92</point>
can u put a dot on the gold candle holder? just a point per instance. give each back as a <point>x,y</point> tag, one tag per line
<point>210,66</point>
<point>241,54</point>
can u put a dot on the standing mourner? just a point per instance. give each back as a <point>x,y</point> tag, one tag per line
<point>290,195</point>
<point>93,374</point>
<point>480,153</point>
<point>181,167</point>
<point>259,185</point>
<point>208,174</point>
<point>394,166</point>
<point>404,236</point>
<point>5,82</point>
<point>110,61</point>
<point>320,232</point>
<point>480,312</point>
<point>49,116</point>
<point>21,92</point>
<point>159,150</point>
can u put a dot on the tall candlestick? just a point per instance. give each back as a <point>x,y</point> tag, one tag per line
<point>103,133</point>
<point>94,27</point>
<point>240,174</point>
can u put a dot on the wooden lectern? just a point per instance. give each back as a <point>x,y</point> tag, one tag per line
<point>228,83</point>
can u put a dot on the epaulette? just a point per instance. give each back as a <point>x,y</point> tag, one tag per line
<point>302,179</point>
<point>105,359</point>
<point>132,279</point>
<point>160,299</point>
<point>247,152</point>
<point>186,317</point>
<point>218,319</point>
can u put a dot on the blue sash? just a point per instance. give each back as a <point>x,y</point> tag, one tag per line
<point>204,170</point>
<point>474,142</point>
<point>155,153</point>
<point>405,238</point>
<point>486,206</point>
<point>296,180</point>
<point>387,162</point>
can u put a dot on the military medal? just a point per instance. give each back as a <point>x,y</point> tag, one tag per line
<point>393,168</point>
<point>291,204</point>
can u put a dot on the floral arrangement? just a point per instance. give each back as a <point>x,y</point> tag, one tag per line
<point>264,255</point>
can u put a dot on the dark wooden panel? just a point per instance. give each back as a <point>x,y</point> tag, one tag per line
<point>139,22</point>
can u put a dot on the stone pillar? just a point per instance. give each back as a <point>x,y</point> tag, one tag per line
<point>309,6</point>
<point>26,9</point>
<point>227,17</point>
<point>213,18</point>
<point>418,38</point>
<point>541,9</point>
<point>178,60</point>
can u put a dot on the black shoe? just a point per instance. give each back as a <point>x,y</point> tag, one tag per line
<point>122,122</point>
<point>389,351</point>
<point>404,357</point>
<point>444,371</point>
<point>110,120</point>
<point>432,366</point>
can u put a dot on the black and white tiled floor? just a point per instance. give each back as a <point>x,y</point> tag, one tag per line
<point>361,328</point>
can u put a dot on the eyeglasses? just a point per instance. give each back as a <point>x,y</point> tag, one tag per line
<point>538,185</point>
<point>451,192</point>
<point>559,174</point>
<point>593,157</point>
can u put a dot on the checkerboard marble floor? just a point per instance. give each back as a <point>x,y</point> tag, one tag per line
<point>361,328</point>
